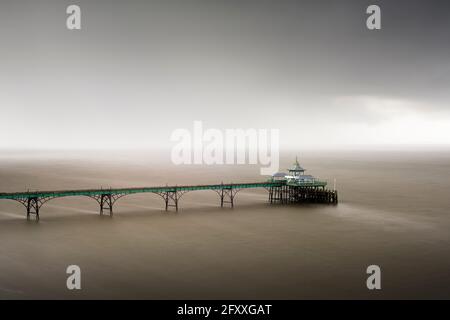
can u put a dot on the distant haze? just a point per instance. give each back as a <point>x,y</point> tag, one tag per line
<point>137,70</point>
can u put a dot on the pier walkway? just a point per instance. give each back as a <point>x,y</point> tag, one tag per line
<point>279,191</point>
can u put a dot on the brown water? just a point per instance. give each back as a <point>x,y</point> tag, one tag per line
<point>394,211</point>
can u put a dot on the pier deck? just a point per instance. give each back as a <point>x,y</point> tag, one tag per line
<point>278,191</point>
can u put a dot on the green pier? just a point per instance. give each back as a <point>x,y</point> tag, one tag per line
<point>295,187</point>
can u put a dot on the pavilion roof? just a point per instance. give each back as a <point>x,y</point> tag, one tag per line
<point>296,167</point>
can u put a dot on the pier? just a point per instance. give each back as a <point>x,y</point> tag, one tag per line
<point>278,191</point>
<point>295,187</point>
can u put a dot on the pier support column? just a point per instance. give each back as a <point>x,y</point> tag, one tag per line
<point>106,203</point>
<point>270,194</point>
<point>227,196</point>
<point>33,206</point>
<point>171,199</point>
<point>276,194</point>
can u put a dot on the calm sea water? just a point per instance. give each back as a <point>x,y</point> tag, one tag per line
<point>394,212</point>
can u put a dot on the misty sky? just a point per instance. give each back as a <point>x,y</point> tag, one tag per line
<point>138,70</point>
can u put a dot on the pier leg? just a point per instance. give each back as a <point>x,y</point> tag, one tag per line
<point>276,194</point>
<point>227,193</point>
<point>271,195</point>
<point>106,202</point>
<point>171,199</point>
<point>33,208</point>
